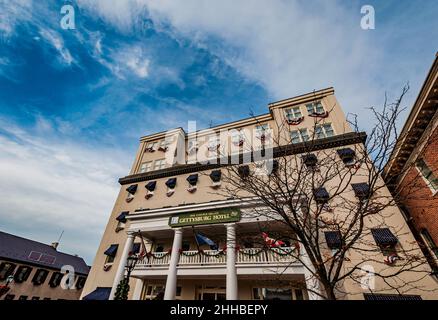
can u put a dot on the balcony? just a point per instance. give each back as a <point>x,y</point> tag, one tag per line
<point>247,256</point>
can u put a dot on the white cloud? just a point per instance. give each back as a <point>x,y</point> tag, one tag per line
<point>49,185</point>
<point>290,47</point>
<point>57,42</point>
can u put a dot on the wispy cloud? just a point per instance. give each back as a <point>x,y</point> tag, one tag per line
<point>57,42</point>
<point>56,185</point>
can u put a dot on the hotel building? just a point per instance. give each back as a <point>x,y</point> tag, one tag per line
<point>168,197</point>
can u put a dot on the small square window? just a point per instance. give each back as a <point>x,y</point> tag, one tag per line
<point>315,108</point>
<point>293,113</point>
<point>146,167</point>
<point>22,298</point>
<point>159,164</point>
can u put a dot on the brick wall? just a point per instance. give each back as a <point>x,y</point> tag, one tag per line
<point>415,194</point>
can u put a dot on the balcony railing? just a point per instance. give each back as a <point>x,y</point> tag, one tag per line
<point>218,257</point>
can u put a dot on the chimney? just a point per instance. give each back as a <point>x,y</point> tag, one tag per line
<point>55,245</point>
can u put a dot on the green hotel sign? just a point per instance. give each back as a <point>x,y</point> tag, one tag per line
<point>204,217</point>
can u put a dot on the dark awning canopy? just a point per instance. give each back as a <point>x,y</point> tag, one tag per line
<point>361,190</point>
<point>193,179</point>
<point>391,297</point>
<point>132,189</point>
<point>215,175</point>
<point>346,154</point>
<point>310,160</point>
<point>122,216</point>
<point>321,194</point>
<point>384,237</point>
<point>101,293</point>
<point>171,183</point>
<point>112,250</point>
<point>243,171</point>
<point>136,248</point>
<point>333,239</point>
<point>151,185</point>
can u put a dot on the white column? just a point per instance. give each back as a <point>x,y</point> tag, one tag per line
<point>170,291</point>
<point>232,292</point>
<point>312,282</point>
<point>138,289</point>
<point>122,264</point>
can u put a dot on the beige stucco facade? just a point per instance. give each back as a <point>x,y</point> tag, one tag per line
<point>203,277</point>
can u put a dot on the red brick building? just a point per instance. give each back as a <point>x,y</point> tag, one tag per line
<point>412,172</point>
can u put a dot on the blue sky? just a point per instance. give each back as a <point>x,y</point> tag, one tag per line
<point>73,103</point>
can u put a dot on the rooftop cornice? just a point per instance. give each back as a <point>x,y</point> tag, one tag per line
<point>308,97</point>
<point>320,144</point>
<point>420,116</point>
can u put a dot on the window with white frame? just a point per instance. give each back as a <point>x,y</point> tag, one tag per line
<point>152,145</point>
<point>315,108</point>
<point>300,135</point>
<point>324,131</point>
<point>146,166</point>
<point>293,113</point>
<point>213,143</point>
<point>159,164</point>
<point>237,137</point>
<point>428,175</point>
<point>262,129</point>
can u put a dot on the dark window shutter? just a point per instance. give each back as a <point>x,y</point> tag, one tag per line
<point>384,237</point>
<point>321,195</point>
<point>243,171</point>
<point>132,189</point>
<point>151,185</point>
<point>192,179</point>
<point>216,175</point>
<point>310,160</point>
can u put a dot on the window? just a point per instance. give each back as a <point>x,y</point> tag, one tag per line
<point>22,274</point>
<point>22,298</point>
<point>430,242</point>
<point>152,146</point>
<point>47,299</point>
<point>178,291</point>
<point>55,280</point>
<point>159,247</point>
<point>35,298</point>
<point>386,241</point>
<point>160,164</point>
<point>111,253</point>
<point>428,175</point>
<point>213,146</point>
<point>299,295</point>
<point>152,291</point>
<point>315,108</point>
<point>238,138</point>
<point>164,144</point>
<point>298,136</point>
<point>293,113</point>
<point>262,130</point>
<point>80,282</point>
<point>10,297</point>
<point>6,270</point>
<point>324,131</point>
<point>40,276</point>
<point>146,166</point>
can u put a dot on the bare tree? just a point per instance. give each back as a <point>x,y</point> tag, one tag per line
<point>330,201</point>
